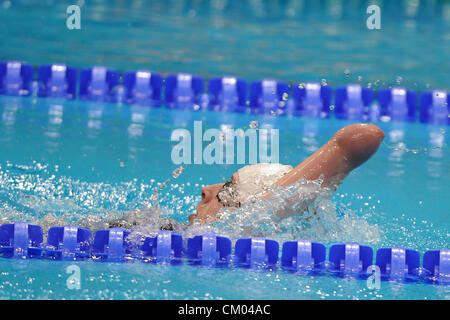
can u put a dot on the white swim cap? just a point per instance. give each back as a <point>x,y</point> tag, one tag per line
<point>254,180</point>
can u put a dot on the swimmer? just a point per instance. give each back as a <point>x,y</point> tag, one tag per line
<point>349,148</point>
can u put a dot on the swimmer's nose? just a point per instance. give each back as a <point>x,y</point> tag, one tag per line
<point>207,194</point>
<point>359,141</point>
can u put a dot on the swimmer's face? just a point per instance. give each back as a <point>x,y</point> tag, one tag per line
<point>211,202</point>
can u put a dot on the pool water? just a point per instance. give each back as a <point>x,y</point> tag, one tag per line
<point>77,158</point>
<point>73,158</point>
<point>291,40</point>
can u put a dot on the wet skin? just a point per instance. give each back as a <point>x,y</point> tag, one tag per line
<point>349,148</point>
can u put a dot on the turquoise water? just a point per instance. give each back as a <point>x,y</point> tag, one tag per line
<point>76,158</point>
<point>284,39</point>
<point>70,159</point>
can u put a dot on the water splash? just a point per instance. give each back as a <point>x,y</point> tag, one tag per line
<point>300,211</point>
<point>303,210</point>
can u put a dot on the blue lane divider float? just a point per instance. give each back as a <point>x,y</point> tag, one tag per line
<point>57,81</point>
<point>228,94</point>
<point>16,78</point>
<point>311,100</point>
<point>166,247</point>
<point>303,255</point>
<point>23,240</point>
<point>398,263</point>
<point>111,245</point>
<point>268,96</point>
<point>225,94</point>
<point>437,264</point>
<point>68,243</point>
<point>350,259</point>
<point>256,252</point>
<point>98,83</point>
<point>399,104</point>
<point>143,88</point>
<point>209,250</point>
<point>435,107</point>
<point>183,91</point>
<point>352,102</point>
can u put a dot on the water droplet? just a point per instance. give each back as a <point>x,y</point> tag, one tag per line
<point>324,82</point>
<point>331,107</point>
<point>347,73</point>
<point>222,136</point>
<point>285,96</point>
<point>377,83</point>
<point>369,85</point>
<point>164,184</point>
<point>177,172</point>
<point>399,80</point>
<point>301,86</point>
<point>443,131</point>
<point>360,78</point>
<point>254,124</point>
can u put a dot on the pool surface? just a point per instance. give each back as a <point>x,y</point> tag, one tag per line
<point>293,40</point>
<point>69,159</point>
<point>114,156</point>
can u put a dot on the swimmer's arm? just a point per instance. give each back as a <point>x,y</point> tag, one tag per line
<point>349,148</point>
